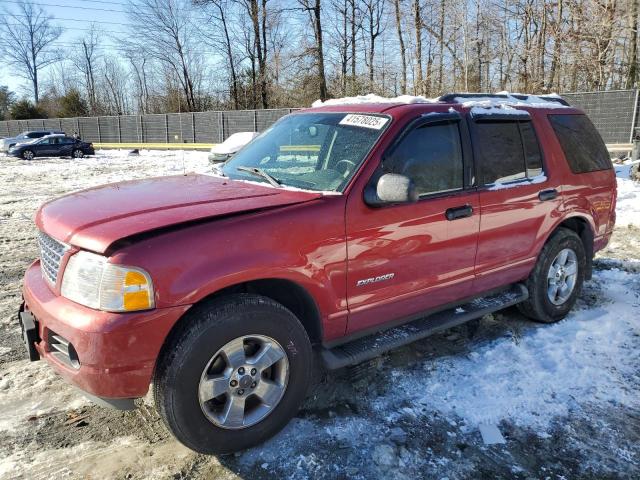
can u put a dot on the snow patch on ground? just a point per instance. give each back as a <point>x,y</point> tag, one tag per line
<point>588,357</point>
<point>18,404</point>
<point>628,203</point>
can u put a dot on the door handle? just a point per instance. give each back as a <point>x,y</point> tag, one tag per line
<point>550,194</point>
<point>458,212</point>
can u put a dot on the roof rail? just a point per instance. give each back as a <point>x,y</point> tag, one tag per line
<point>451,97</point>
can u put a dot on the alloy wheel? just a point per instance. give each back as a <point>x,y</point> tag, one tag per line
<point>562,276</point>
<point>243,382</point>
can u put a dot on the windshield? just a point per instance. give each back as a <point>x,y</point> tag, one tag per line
<point>314,151</point>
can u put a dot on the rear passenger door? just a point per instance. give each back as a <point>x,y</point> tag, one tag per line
<point>65,146</point>
<point>518,197</point>
<point>407,258</point>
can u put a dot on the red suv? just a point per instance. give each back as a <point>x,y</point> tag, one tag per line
<point>344,230</point>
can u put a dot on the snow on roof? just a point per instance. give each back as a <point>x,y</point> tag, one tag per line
<point>373,98</point>
<point>497,110</point>
<point>511,101</point>
<point>506,101</point>
<point>234,143</point>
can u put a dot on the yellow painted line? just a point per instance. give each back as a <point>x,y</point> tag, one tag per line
<point>157,146</point>
<point>300,148</point>
<point>619,147</point>
<point>196,146</point>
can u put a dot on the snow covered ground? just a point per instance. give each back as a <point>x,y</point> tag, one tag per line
<point>564,398</point>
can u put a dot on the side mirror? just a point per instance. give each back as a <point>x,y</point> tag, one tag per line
<point>392,188</point>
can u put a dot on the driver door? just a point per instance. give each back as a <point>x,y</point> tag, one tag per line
<point>405,259</point>
<point>43,147</point>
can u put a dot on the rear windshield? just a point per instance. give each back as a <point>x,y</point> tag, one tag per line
<point>582,145</point>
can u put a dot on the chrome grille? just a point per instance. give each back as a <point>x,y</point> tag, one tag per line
<point>51,253</point>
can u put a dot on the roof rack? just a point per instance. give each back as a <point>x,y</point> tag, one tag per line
<point>451,97</point>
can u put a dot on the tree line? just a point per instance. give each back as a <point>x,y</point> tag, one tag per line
<point>181,55</point>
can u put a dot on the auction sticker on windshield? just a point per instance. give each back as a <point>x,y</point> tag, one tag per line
<point>366,121</point>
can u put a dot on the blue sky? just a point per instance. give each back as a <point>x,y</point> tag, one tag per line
<point>75,16</point>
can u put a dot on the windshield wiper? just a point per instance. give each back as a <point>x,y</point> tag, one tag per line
<point>261,173</point>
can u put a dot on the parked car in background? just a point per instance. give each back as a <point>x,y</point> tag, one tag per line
<point>402,218</point>
<point>9,142</point>
<point>52,146</point>
<point>223,151</point>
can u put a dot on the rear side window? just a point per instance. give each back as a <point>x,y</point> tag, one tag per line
<point>506,151</point>
<point>581,143</point>
<point>532,153</point>
<point>431,156</point>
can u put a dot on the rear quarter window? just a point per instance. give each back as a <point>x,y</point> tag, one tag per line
<point>581,143</point>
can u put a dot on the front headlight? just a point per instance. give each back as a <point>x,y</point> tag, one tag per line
<point>91,281</point>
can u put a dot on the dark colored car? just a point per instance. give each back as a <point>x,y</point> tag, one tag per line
<point>7,143</point>
<point>400,220</point>
<point>52,146</point>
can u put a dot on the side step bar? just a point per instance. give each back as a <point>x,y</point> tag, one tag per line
<point>374,345</point>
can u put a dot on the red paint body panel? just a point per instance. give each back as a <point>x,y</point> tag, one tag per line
<point>224,233</point>
<point>118,351</point>
<point>95,218</point>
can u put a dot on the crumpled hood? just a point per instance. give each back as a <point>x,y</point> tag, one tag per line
<point>95,218</point>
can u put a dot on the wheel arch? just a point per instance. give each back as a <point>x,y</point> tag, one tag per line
<point>288,293</point>
<point>584,229</point>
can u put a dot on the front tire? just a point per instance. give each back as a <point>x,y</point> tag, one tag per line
<point>77,153</point>
<point>557,278</point>
<point>28,155</point>
<point>233,373</point>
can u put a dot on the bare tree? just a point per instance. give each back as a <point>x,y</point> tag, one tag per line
<point>632,76</point>
<point>417,17</point>
<point>313,8</point>
<point>257,12</point>
<point>26,41</point>
<point>164,29</point>
<point>85,60</point>
<point>373,11</point>
<point>220,13</point>
<point>403,58</point>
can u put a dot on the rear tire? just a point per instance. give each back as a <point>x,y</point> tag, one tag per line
<point>197,355</point>
<point>556,280</point>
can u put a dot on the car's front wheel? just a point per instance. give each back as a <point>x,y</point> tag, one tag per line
<point>28,155</point>
<point>233,373</point>
<point>77,153</point>
<point>556,280</point>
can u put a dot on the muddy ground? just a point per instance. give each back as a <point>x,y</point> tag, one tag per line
<point>566,398</point>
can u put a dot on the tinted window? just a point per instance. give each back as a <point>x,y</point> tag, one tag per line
<point>431,156</point>
<point>499,152</point>
<point>67,140</point>
<point>35,134</point>
<point>581,143</point>
<point>532,152</point>
<point>45,141</point>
